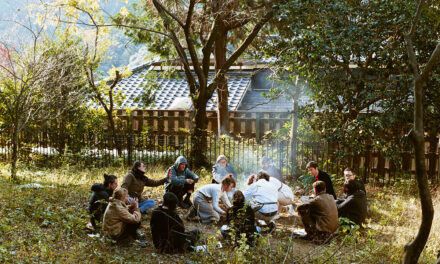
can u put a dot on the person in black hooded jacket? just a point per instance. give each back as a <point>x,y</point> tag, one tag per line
<point>167,228</point>
<point>99,198</point>
<point>354,205</point>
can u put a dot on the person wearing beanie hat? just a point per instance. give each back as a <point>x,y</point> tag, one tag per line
<point>168,230</point>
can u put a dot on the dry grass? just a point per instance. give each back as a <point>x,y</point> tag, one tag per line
<point>46,225</point>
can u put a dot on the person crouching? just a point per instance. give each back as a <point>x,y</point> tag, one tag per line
<point>206,200</point>
<point>319,214</point>
<point>120,220</point>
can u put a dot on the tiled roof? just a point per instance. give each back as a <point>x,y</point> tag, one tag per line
<point>170,89</point>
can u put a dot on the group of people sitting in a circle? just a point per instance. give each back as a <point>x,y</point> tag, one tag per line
<point>244,212</point>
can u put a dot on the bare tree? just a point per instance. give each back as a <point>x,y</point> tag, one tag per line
<point>38,82</point>
<point>420,77</point>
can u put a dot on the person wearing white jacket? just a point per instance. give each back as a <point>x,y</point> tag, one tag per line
<point>285,195</point>
<point>263,197</point>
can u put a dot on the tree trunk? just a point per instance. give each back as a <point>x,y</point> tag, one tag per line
<point>222,86</point>
<point>111,121</point>
<point>293,134</point>
<point>199,136</point>
<point>15,142</point>
<point>414,248</point>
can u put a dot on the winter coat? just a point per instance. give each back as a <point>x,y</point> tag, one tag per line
<point>323,176</point>
<point>323,212</point>
<point>218,172</point>
<point>99,197</point>
<point>178,178</point>
<point>135,184</point>
<point>116,216</point>
<point>354,207</point>
<point>361,185</point>
<point>168,231</point>
<point>273,172</point>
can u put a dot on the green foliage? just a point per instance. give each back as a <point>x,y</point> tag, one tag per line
<point>353,58</point>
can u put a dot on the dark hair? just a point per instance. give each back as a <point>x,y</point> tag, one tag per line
<point>170,200</point>
<point>350,187</point>
<point>228,180</point>
<point>319,186</point>
<point>238,198</point>
<point>263,175</point>
<point>136,165</point>
<point>312,164</point>
<point>109,179</point>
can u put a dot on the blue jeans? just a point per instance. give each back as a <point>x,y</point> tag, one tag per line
<point>147,204</point>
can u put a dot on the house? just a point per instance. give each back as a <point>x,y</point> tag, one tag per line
<point>250,112</point>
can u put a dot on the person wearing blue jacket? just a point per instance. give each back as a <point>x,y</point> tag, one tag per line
<point>182,182</point>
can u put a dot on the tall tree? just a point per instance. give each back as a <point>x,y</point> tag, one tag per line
<point>354,60</point>
<point>421,73</point>
<point>84,20</point>
<point>38,82</point>
<point>193,35</point>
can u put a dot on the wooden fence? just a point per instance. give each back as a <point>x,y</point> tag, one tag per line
<point>98,150</point>
<point>171,122</point>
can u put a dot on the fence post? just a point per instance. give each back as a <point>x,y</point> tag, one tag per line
<point>129,139</point>
<point>257,127</point>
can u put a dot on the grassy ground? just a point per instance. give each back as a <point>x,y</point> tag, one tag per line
<point>47,225</point>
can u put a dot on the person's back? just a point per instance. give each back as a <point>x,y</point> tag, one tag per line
<point>241,218</point>
<point>265,193</point>
<point>323,210</point>
<point>165,227</point>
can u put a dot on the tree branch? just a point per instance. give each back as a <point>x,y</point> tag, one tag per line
<point>191,48</point>
<point>432,62</point>
<point>207,48</point>
<point>160,8</point>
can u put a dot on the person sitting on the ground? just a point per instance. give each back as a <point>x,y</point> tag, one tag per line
<point>240,219</point>
<point>222,168</point>
<point>320,175</point>
<point>206,200</point>
<point>99,198</point>
<point>263,197</point>
<point>167,228</point>
<point>350,175</point>
<point>270,169</point>
<point>285,195</point>
<point>135,181</point>
<point>319,214</point>
<point>120,220</point>
<point>182,182</point>
<point>354,206</point>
